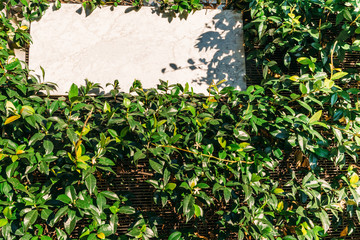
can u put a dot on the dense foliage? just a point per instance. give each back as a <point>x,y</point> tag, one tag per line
<point>216,154</point>
<point>304,32</point>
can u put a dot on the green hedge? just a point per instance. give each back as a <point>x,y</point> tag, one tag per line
<point>214,153</point>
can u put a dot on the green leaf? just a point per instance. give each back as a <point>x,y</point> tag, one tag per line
<point>72,136</point>
<point>45,214</point>
<point>322,152</point>
<point>156,166</point>
<point>175,236</point>
<point>315,117</point>
<point>45,238</point>
<point>12,66</point>
<point>90,183</point>
<point>287,60</point>
<point>61,212</point>
<point>127,102</point>
<point>188,203</point>
<point>36,137</point>
<point>57,4</point>
<point>312,67</point>
<point>30,218</point>
<point>338,134</point>
<point>11,169</point>
<point>278,191</point>
<point>241,135</point>
<point>347,16</point>
<point>70,223</point>
<point>74,92</point>
<point>339,75</point>
<point>70,192</point>
<point>49,147</point>
<point>127,210</point>
<point>303,89</point>
<point>305,105</point>
<point>334,98</point>
<point>304,60</point>
<point>289,237</point>
<point>110,195</point>
<point>247,191</point>
<point>3,222</point>
<point>170,186</point>
<point>107,107</point>
<point>63,198</point>
<point>324,217</point>
<point>198,211</point>
<point>227,194</point>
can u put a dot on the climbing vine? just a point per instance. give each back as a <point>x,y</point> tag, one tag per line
<point>226,154</point>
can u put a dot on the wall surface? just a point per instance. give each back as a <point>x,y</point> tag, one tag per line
<point>120,43</point>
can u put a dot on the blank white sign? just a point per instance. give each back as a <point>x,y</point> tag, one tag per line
<point>116,43</point>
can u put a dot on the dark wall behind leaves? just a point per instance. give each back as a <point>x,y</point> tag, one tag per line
<point>254,159</point>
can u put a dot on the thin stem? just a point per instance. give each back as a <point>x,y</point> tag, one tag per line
<point>332,60</point>
<point>353,22</point>
<point>77,145</point>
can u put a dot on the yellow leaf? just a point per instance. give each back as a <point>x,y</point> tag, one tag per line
<point>71,158</point>
<point>291,15</point>
<point>315,117</point>
<point>11,119</point>
<point>294,78</point>
<point>211,99</point>
<point>354,179</point>
<point>78,152</point>
<point>101,235</point>
<point>280,206</point>
<point>220,82</point>
<point>278,191</point>
<point>303,230</point>
<point>344,232</point>
<point>329,83</point>
<point>222,142</point>
<point>24,27</point>
<point>14,158</point>
<point>20,152</point>
<point>83,158</point>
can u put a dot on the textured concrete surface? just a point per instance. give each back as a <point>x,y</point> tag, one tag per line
<point>119,43</point>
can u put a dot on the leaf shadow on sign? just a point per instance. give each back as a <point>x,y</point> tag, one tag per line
<point>170,15</point>
<point>223,39</point>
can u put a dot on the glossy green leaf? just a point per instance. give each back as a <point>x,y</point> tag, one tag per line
<point>127,210</point>
<point>30,218</point>
<point>74,91</point>
<point>110,195</point>
<point>3,222</point>
<point>70,223</point>
<point>175,236</point>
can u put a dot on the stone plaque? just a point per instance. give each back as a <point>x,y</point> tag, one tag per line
<point>120,43</point>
